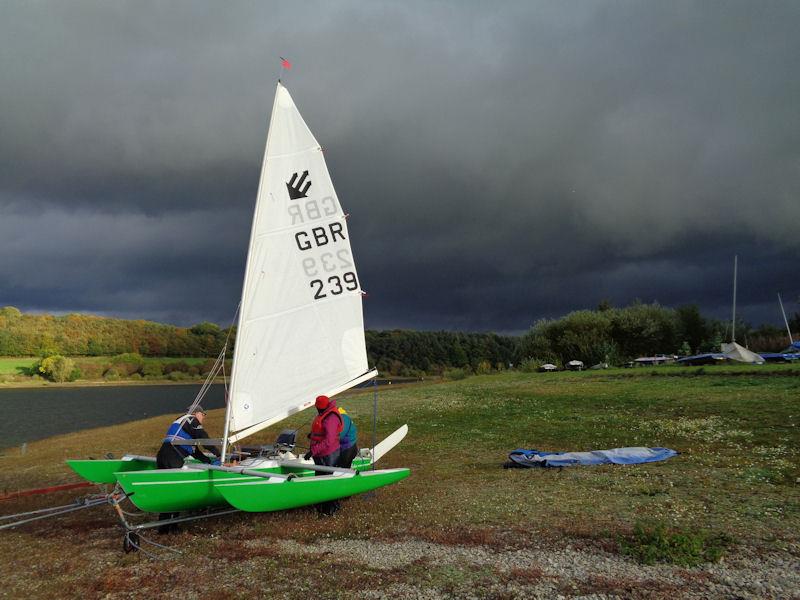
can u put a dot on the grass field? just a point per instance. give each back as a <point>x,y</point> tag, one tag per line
<point>20,365</point>
<point>461,524</point>
<point>13,366</point>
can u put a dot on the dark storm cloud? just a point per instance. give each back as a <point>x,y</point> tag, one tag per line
<point>501,162</point>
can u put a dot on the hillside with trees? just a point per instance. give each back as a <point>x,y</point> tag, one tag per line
<point>605,334</point>
<point>89,335</point>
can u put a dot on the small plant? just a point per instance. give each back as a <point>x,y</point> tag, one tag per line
<point>656,543</point>
<point>152,370</point>
<point>456,374</point>
<point>484,368</point>
<point>530,365</point>
<point>112,374</point>
<point>181,366</point>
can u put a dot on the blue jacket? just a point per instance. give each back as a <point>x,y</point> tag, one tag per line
<point>177,431</point>
<point>187,427</point>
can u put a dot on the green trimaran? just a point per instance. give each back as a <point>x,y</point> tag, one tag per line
<point>300,334</point>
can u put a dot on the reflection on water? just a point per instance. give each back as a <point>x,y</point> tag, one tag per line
<point>35,413</point>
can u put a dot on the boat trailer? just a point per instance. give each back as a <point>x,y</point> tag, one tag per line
<point>133,538</point>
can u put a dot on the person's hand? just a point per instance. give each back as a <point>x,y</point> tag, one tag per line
<point>307,455</point>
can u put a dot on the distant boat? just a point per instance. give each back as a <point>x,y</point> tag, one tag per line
<point>575,365</point>
<point>791,353</point>
<point>658,359</point>
<point>707,358</point>
<point>547,367</point>
<point>732,350</point>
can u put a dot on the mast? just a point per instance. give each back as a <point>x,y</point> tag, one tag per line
<point>785,321</point>
<point>733,322</point>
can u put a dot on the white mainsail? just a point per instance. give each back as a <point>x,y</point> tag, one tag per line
<point>301,327</point>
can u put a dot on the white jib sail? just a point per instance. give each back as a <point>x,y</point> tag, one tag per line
<point>301,328</point>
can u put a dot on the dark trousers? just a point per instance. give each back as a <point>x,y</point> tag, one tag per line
<point>330,507</point>
<point>168,457</point>
<point>346,456</point>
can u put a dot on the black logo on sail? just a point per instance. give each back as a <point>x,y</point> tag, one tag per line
<point>297,190</point>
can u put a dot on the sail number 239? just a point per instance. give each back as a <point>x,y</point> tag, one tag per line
<point>334,285</point>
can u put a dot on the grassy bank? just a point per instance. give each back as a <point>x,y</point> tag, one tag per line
<point>21,371</point>
<point>736,479</point>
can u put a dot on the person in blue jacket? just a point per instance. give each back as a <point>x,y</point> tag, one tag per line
<point>172,456</point>
<point>348,441</point>
<point>186,427</point>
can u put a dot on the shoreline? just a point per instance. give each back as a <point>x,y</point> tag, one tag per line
<point>88,383</point>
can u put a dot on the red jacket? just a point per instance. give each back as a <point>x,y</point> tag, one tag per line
<point>325,431</point>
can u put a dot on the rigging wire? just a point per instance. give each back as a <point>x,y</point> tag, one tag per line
<point>219,364</point>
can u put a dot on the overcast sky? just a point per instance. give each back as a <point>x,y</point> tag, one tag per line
<point>501,162</point>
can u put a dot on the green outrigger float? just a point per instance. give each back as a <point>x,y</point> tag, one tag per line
<point>261,482</point>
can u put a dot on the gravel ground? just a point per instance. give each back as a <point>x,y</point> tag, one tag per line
<point>567,572</point>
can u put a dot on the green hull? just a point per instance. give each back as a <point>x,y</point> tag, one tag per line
<point>271,495</point>
<point>103,471</point>
<point>176,490</point>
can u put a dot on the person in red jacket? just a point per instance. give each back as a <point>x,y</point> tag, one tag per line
<point>325,430</point>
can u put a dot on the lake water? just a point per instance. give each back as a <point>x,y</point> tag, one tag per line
<point>30,414</point>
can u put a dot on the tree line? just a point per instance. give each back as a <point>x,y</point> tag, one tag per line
<point>618,335</point>
<point>89,335</point>
<point>605,334</point>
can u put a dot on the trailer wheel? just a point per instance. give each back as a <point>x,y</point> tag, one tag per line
<point>130,543</point>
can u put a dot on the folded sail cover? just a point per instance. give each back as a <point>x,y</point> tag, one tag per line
<point>739,353</point>
<point>617,456</point>
<point>301,329</point>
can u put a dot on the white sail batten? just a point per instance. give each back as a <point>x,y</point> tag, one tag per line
<point>301,327</point>
<point>277,418</point>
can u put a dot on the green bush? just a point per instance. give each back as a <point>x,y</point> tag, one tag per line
<point>135,376</point>
<point>112,374</point>
<point>530,365</point>
<point>127,364</point>
<point>177,376</point>
<point>484,368</point>
<point>152,370</point>
<point>181,366</point>
<point>207,366</point>
<point>56,368</point>
<point>91,369</point>
<point>456,374</point>
<point>652,544</point>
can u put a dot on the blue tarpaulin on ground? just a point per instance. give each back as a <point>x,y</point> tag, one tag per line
<point>618,456</point>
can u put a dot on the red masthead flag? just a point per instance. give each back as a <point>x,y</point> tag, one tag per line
<point>285,63</point>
